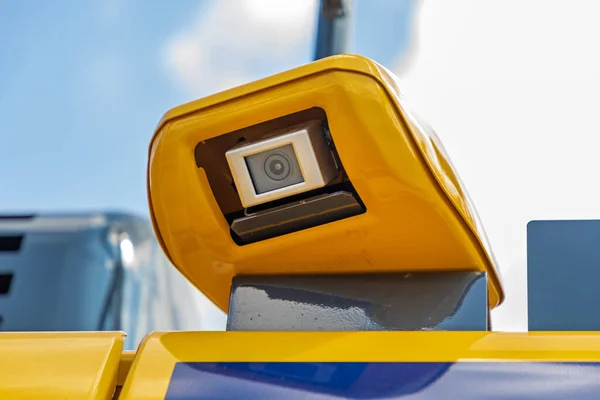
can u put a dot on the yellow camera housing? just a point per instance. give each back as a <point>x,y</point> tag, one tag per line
<point>418,217</point>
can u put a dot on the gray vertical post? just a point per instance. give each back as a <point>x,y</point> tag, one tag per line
<point>333,28</point>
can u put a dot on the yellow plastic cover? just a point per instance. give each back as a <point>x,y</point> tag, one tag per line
<point>418,218</point>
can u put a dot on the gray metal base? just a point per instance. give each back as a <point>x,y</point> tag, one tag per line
<point>418,301</point>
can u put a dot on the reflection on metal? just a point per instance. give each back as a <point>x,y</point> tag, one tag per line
<point>386,380</point>
<point>295,216</point>
<point>333,28</point>
<point>563,271</point>
<point>420,301</point>
<point>113,301</point>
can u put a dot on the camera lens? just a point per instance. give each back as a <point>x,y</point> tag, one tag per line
<point>274,169</point>
<point>278,167</point>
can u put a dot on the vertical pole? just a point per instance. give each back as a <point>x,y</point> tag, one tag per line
<point>333,28</point>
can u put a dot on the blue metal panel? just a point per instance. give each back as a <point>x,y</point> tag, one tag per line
<point>563,275</point>
<point>418,381</point>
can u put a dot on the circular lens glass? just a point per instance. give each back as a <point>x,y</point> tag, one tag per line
<point>278,167</point>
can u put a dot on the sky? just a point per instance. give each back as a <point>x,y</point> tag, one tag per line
<point>84,83</point>
<point>510,86</point>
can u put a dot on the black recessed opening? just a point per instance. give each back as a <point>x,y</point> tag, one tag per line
<point>16,216</point>
<point>210,156</point>
<point>10,242</point>
<point>5,281</point>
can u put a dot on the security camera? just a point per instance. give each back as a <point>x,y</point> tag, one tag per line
<point>292,161</point>
<point>321,169</point>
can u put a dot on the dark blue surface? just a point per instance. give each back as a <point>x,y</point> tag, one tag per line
<point>463,380</point>
<point>563,275</point>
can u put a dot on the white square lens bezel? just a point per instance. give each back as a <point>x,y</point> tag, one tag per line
<point>307,160</point>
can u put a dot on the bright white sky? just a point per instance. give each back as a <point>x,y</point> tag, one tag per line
<point>511,86</point>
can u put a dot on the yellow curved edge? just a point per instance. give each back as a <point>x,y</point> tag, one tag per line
<point>418,218</point>
<point>151,372</point>
<point>59,365</point>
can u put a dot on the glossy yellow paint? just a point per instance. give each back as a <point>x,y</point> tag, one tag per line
<point>418,216</point>
<point>59,365</point>
<point>125,362</point>
<point>151,372</point>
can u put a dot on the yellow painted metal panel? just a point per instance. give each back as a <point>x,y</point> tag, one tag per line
<point>127,358</point>
<point>151,371</point>
<point>59,365</point>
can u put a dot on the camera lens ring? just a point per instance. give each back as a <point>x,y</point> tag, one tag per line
<point>278,167</point>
